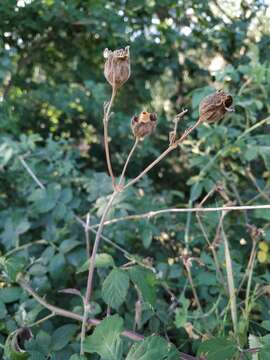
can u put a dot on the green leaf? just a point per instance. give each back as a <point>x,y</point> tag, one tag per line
<point>105,339</point>
<point>10,294</point>
<point>218,348</point>
<point>115,287</point>
<point>146,282</point>
<point>62,336</point>
<point>3,310</point>
<point>13,266</point>
<point>153,347</point>
<point>77,357</point>
<point>147,235</point>
<point>103,260</point>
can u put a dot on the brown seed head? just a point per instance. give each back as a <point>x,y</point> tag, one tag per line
<point>144,124</point>
<point>117,66</point>
<point>214,106</point>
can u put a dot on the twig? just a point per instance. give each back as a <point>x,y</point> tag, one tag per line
<point>69,314</point>
<point>230,280</point>
<point>254,182</point>
<point>107,114</point>
<point>127,162</point>
<point>40,321</point>
<point>86,231</point>
<point>151,214</point>
<point>30,172</point>
<point>162,155</point>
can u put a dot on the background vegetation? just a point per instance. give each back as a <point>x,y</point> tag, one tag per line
<point>52,92</point>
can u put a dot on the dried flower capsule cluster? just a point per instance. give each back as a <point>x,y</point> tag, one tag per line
<point>117,71</point>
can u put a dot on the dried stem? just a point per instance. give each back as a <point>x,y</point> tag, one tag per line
<point>30,172</point>
<point>69,314</point>
<point>107,114</point>
<point>151,214</point>
<point>230,279</point>
<point>127,162</point>
<point>165,153</point>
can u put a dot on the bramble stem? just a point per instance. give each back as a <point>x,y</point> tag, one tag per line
<point>69,314</point>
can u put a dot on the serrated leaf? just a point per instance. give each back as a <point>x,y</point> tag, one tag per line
<point>105,339</point>
<point>146,282</point>
<point>153,347</point>
<point>103,260</point>
<point>115,287</point>
<point>218,348</point>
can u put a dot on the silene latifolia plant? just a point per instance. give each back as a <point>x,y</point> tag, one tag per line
<point>212,108</point>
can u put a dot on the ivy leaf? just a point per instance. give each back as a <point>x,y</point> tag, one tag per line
<point>218,348</point>
<point>146,282</point>
<point>115,287</point>
<point>105,339</point>
<point>153,347</point>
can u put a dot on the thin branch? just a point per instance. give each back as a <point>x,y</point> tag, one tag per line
<point>151,214</point>
<point>127,162</point>
<point>30,172</point>
<point>165,153</point>
<point>69,314</point>
<point>107,114</point>
<point>86,231</point>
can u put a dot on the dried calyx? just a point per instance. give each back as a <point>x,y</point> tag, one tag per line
<point>144,124</point>
<point>117,66</point>
<point>214,106</point>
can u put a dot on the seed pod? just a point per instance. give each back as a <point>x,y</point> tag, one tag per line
<point>117,66</point>
<point>214,106</point>
<point>144,124</point>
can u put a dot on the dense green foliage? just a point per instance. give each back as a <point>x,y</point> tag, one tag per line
<point>52,92</point>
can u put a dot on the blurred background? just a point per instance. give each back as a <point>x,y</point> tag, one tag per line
<point>52,91</point>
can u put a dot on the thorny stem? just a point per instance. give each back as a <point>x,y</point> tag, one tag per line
<point>69,314</point>
<point>107,114</point>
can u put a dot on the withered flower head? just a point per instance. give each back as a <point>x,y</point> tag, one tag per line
<point>214,106</point>
<point>117,66</point>
<point>144,124</point>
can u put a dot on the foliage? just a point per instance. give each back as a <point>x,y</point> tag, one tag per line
<point>51,100</point>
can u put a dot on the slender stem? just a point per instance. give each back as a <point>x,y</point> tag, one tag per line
<point>165,153</point>
<point>69,314</point>
<point>107,113</point>
<point>151,214</point>
<point>40,321</point>
<point>230,279</point>
<point>127,161</point>
<point>193,289</point>
<point>25,246</point>
<point>86,231</point>
<point>30,172</point>
<point>95,248</point>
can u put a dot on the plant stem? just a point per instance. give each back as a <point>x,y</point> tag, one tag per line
<point>127,161</point>
<point>69,314</point>
<point>107,113</point>
<point>151,214</point>
<point>230,279</point>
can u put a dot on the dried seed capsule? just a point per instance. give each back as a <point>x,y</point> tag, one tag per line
<point>214,106</point>
<point>117,66</point>
<point>144,124</point>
